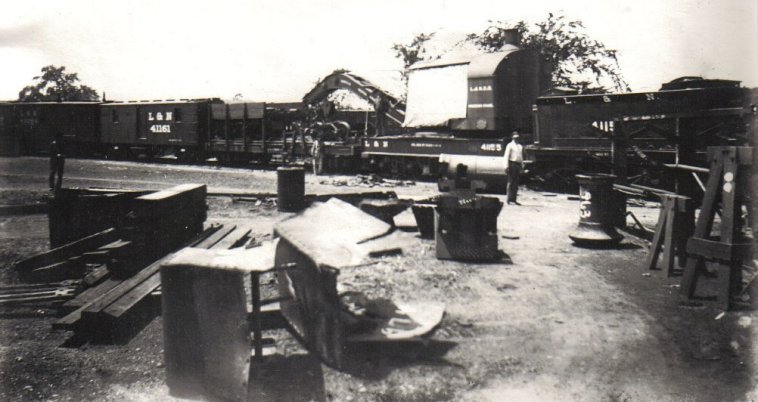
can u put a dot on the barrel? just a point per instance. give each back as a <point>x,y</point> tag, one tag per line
<point>290,188</point>
<point>598,210</point>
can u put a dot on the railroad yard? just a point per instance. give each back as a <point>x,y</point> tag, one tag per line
<point>546,321</point>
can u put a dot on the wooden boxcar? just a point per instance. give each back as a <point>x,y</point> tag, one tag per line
<point>27,128</point>
<point>159,128</point>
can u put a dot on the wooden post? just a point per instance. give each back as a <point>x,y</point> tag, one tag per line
<point>263,134</point>
<point>725,184</point>
<point>255,290</point>
<point>674,227</point>
<point>226,128</point>
<point>704,224</point>
<point>244,128</point>
<point>618,153</point>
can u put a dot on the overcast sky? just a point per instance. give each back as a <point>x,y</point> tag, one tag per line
<point>276,51</point>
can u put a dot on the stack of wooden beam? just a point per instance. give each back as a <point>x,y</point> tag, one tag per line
<point>162,221</point>
<point>68,261</point>
<point>116,309</point>
<point>118,267</point>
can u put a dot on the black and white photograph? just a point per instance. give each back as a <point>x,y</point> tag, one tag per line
<point>397,201</point>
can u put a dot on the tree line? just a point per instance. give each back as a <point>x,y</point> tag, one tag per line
<point>572,59</point>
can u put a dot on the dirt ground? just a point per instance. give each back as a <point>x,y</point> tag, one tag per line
<point>549,322</point>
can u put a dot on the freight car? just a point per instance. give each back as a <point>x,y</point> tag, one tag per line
<point>185,129</point>
<point>27,128</point>
<point>156,128</point>
<point>199,129</point>
<point>674,125</point>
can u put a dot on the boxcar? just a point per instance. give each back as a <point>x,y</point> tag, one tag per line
<point>156,128</point>
<point>28,128</point>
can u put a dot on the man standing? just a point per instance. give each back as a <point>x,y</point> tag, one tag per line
<point>381,106</point>
<point>316,153</point>
<point>514,157</point>
<point>57,161</point>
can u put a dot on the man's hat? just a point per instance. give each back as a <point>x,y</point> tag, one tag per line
<point>514,134</point>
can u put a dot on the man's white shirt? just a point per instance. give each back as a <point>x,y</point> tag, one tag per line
<point>514,152</point>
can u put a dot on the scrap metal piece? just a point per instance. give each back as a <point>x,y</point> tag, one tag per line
<point>383,209</point>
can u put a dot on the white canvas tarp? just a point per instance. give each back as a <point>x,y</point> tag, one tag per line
<point>436,95</point>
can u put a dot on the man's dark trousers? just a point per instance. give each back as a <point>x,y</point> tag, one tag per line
<point>514,171</point>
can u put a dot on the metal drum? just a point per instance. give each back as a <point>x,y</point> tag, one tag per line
<point>597,212</point>
<point>290,188</point>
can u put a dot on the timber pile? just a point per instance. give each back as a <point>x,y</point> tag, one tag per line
<point>160,222</point>
<point>116,267</point>
<point>117,309</point>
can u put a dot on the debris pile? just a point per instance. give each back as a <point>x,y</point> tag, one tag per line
<point>371,180</point>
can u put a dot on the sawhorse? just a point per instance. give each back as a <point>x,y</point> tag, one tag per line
<point>726,183</point>
<point>675,226</point>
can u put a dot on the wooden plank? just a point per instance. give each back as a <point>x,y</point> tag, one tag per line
<point>688,168</point>
<point>173,192</point>
<point>132,297</point>
<point>27,209</point>
<point>125,286</point>
<point>118,249</point>
<point>135,280</point>
<point>211,240</point>
<point>73,268</point>
<point>127,316</point>
<point>73,308</point>
<point>96,257</point>
<point>712,249</point>
<point>655,246</point>
<point>668,243</point>
<point>73,319</point>
<point>67,251</point>
<point>95,276</point>
<point>234,238</point>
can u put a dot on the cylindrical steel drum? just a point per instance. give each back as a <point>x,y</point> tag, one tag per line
<point>597,212</point>
<point>290,188</point>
